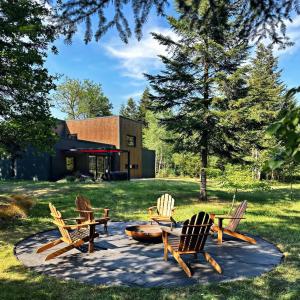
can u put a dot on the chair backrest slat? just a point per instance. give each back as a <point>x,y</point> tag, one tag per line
<point>59,222</point>
<point>193,237</point>
<point>83,203</point>
<point>165,205</point>
<point>238,213</point>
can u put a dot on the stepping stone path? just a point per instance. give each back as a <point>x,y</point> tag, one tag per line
<point>120,260</point>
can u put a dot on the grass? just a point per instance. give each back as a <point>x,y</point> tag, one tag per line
<point>271,214</point>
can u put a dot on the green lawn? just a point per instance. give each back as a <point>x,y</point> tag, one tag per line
<point>270,214</point>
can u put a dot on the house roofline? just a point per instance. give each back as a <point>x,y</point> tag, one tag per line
<point>113,116</point>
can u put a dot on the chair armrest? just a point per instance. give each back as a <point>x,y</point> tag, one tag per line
<point>150,209</point>
<point>106,211</point>
<point>75,226</point>
<point>84,211</point>
<point>228,217</point>
<point>78,218</point>
<point>176,232</point>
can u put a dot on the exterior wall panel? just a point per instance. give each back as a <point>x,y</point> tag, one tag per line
<point>101,130</point>
<point>131,128</point>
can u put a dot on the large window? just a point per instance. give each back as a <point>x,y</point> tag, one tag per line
<point>131,141</point>
<point>70,163</point>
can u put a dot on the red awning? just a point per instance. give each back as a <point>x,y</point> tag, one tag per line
<point>94,151</point>
<point>101,150</point>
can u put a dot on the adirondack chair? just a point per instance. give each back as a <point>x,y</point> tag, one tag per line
<point>86,212</point>
<point>230,229</point>
<point>163,210</point>
<point>191,240</point>
<point>73,235</point>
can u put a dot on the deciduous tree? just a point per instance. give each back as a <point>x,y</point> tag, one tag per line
<point>82,99</point>
<point>25,118</point>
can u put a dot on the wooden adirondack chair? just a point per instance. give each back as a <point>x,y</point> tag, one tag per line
<point>73,235</point>
<point>191,240</point>
<point>164,210</point>
<point>86,212</point>
<point>230,229</point>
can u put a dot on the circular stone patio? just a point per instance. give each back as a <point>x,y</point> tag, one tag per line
<point>119,260</point>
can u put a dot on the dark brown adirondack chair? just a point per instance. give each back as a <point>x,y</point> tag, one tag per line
<point>73,235</point>
<point>86,212</point>
<point>191,240</point>
<point>230,229</point>
<point>163,210</point>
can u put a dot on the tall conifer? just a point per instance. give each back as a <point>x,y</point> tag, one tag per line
<point>199,62</point>
<point>130,110</point>
<point>264,104</point>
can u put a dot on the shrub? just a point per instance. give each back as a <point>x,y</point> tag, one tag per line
<point>70,178</point>
<point>240,177</point>
<point>166,172</point>
<point>15,206</point>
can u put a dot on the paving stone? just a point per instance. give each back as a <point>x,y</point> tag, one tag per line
<point>120,260</point>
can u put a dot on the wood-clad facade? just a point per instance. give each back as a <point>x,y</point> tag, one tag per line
<point>121,132</point>
<point>91,147</point>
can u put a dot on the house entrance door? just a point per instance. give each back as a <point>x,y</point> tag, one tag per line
<point>100,166</point>
<point>97,165</point>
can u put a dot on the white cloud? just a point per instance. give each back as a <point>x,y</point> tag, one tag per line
<point>293,32</point>
<point>133,95</point>
<point>138,57</point>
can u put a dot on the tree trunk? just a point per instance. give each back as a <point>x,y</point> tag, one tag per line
<point>204,138</point>
<point>203,179</point>
<point>13,167</point>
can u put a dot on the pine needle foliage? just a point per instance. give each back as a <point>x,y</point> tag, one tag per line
<point>201,82</point>
<point>254,19</point>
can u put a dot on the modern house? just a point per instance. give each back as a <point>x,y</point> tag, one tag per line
<point>105,145</point>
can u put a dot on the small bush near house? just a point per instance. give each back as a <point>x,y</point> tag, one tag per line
<point>15,206</point>
<point>70,178</point>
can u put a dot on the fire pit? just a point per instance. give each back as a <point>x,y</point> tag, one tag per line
<point>145,233</point>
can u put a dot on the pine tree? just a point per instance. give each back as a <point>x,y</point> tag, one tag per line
<point>198,63</point>
<point>264,104</point>
<point>254,19</point>
<point>130,110</point>
<point>144,103</point>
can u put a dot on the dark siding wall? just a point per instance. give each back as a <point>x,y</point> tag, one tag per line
<point>81,160</point>
<point>32,164</point>
<point>148,158</point>
<point>49,167</point>
<point>5,168</point>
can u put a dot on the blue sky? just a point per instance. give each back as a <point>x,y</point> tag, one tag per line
<point>119,67</point>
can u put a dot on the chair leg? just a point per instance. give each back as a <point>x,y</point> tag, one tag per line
<point>64,250</point>
<point>48,245</point>
<point>213,263</point>
<point>91,239</point>
<point>105,228</point>
<point>183,265</point>
<point>240,236</point>
<point>165,240</point>
<point>220,235</point>
<point>175,223</point>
